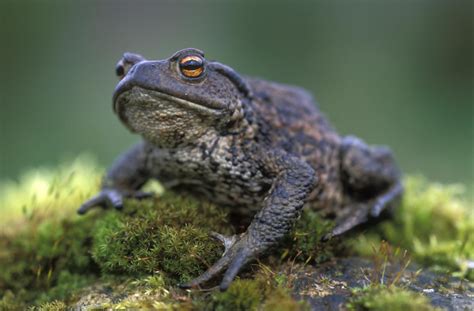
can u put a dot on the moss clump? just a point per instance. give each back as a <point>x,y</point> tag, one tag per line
<point>258,294</point>
<point>55,305</point>
<point>169,234</point>
<point>281,300</point>
<point>434,223</point>
<point>241,295</point>
<point>47,252</point>
<point>10,302</point>
<point>45,193</point>
<point>304,243</point>
<point>380,298</point>
<point>47,260</point>
<point>44,247</point>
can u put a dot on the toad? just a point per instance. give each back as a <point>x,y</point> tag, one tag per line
<point>251,145</point>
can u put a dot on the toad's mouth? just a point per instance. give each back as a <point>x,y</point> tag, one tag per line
<point>146,97</point>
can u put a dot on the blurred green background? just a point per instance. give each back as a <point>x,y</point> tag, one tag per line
<point>392,72</point>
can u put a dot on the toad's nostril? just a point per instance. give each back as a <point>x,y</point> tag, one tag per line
<point>119,71</point>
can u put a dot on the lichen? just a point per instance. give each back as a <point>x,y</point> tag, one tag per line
<point>151,292</point>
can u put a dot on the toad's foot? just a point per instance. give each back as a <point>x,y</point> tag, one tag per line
<point>109,197</point>
<point>362,212</point>
<point>236,254</point>
<point>385,201</point>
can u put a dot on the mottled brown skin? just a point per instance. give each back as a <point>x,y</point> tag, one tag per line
<point>252,145</point>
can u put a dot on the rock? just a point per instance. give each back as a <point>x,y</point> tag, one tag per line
<point>329,286</point>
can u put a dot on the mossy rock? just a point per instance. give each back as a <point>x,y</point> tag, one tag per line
<point>52,258</point>
<point>48,252</point>
<point>434,223</point>
<point>357,282</point>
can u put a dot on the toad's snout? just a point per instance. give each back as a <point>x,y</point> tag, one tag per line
<point>144,74</point>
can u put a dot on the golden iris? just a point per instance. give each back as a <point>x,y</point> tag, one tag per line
<point>191,66</point>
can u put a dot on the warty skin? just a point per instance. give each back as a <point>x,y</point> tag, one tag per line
<point>257,147</point>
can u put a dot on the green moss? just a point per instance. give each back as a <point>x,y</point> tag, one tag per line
<point>281,300</point>
<point>49,255</point>
<point>260,293</point>
<point>434,223</point>
<point>55,305</point>
<point>48,258</point>
<point>46,250</point>
<point>43,193</point>
<point>304,244</point>
<point>67,287</point>
<point>169,234</point>
<point>379,298</point>
<point>44,246</point>
<point>242,295</point>
<point>10,302</point>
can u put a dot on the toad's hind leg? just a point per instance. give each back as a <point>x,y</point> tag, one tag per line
<point>360,212</point>
<point>371,182</point>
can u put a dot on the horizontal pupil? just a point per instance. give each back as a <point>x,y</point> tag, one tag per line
<point>191,65</point>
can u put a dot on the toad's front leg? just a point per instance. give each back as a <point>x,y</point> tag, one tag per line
<point>294,180</point>
<point>124,179</point>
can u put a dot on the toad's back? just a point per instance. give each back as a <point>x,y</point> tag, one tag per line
<point>289,119</point>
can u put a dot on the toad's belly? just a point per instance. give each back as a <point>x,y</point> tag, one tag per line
<point>232,184</point>
<point>232,194</point>
<point>234,180</point>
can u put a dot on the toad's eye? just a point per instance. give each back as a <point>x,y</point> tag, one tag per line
<point>191,66</point>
